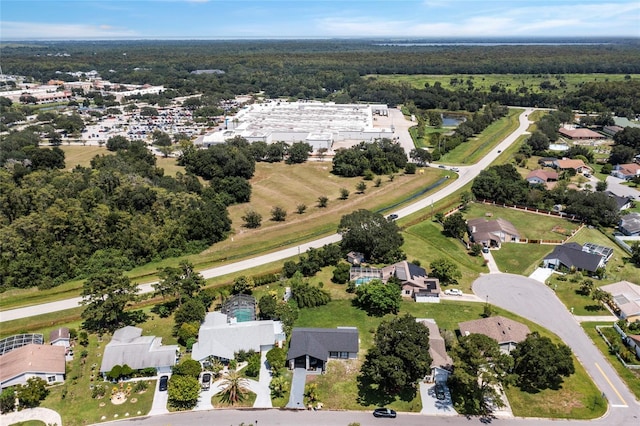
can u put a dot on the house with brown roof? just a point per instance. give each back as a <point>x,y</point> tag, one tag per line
<point>626,171</point>
<point>626,296</point>
<point>416,284</point>
<point>44,361</point>
<point>508,333</point>
<point>541,176</point>
<point>60,337</point>
<point>441,362</point>
<point>569,164</point>
<point>492,233</point>
<point>580,134</point>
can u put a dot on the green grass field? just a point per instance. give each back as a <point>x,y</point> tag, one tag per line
<point>521,259</point>
<point>509,81</point>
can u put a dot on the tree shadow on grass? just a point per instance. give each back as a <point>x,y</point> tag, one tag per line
<point>594,308</point>
<point>370,394</point>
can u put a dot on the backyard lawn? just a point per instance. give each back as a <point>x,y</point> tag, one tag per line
<point>530,225</point>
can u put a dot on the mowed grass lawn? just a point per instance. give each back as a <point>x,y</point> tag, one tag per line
<point>78,155</point>
<point>426,242</point>
<point>578,397</point>
<point>521,259</point>
<point>509,81</point>
<point>477,147</point>
<point>530,225</point>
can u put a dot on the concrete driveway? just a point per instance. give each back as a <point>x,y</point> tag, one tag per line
<point>160,399</point>
<point>296,397</point>
<point>538,303</point>
<point>45,415</point>
<point>541,274</point>
<point>431,405</point>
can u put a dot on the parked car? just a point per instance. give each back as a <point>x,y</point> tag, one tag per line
<point>453,292</point>
<point>392,217</point>
<point>384,412</point>
<point>206,381</point>
<point>439,390</point>
<point>485,249</point>
<point>164,381</point>
<point>442,166</point>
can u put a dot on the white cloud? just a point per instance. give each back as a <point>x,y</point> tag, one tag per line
<point>30,30</point>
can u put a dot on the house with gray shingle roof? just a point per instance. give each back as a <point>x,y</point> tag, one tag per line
<point>311,348</point>
<point>128,346</point>
<point>630,224</point>
<point>508,333</point>
<point>573,256</point>
<point>441,362</point>
<point>221,337</point>
<point>492,233</point>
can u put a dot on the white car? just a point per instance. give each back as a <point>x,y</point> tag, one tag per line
<point>453,292</point>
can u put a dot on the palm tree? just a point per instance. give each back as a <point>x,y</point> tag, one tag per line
<point>235,388</point>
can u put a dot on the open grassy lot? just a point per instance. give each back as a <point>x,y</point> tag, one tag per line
<point>521,259</point>
<point>474,149</point>
<point>78,155</point>
<point>426,242</point>
<point>73,398</point>
<point>508,81</point>
<point>568,290</point>
<point>530,225</point>
<point>630,377</point>
<point>248,401</point>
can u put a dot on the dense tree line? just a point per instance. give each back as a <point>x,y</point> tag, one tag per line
<point>120,212</point>
<point>381,157</point>
<point>504,185</point>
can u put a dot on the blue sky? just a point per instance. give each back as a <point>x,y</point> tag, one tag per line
<point>206,19</point>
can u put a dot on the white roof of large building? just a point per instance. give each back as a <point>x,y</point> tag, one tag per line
<point>220,338</point>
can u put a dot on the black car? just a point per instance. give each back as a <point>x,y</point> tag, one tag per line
<point>392,216</point>
<point>164,380</point>
<point>384,412</point>
<point>440,394</point>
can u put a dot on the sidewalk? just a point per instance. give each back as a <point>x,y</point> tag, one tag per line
<point>49,417</point>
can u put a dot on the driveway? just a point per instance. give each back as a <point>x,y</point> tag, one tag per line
<point>541,274</point>
<point>431,405</point>
<point>45,415</point>
<point>296,397</point>
<point>538,303</point>
<point>261,387</point>
<point>491,262</point>
<point>616,186</point>
<point>160,399</point>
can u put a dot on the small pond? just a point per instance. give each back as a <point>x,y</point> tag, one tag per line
<point>451,120</point>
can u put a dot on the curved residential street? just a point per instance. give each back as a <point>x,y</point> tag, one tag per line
<point>466,175</point>
<point>537,302</point>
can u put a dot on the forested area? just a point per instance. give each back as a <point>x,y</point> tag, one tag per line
<point>120,212</point>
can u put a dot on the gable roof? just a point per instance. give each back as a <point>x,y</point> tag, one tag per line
<point>60,334</point>
<point>543,175</point>
<point>629,169</point>
<point>480,228</point>
<point>499,328</point>
<point>222,338</point>
<point>32,358</point>
<point>570,164</point>
<point>626,295</point>
<point>318,342</point>
<point>127,346</point>
<point>580,133</point>
<point>630,223</point>
<point>571,255</point>
<point>437,348</point>
<point>620,201</point>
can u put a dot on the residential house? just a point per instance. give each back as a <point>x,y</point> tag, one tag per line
<point>541,176</point>
<point>492,233</point>
<point>414,281</point>
<point>630,224</point>
<point>441,362</point>
<point>547,161</point>
<point>32,360</point>
<point>355,258</point>
<point>611,130</point>
<point>572,256</point>
<point>623,203</point>
<point>18,340</point>
<point>221,337</point>
<point>580,134</point>
<point>508,333</point>
<point>60,337</point>
<point>567,164</point>
<point>633,341</point>
<point>128,346</point>
<point>311,348</point>
<point>626,296</point>
<point>626,171</point>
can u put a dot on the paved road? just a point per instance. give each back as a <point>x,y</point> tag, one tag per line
<point>616,186</point>
<point>466,175</point>
<point>538,303</point>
